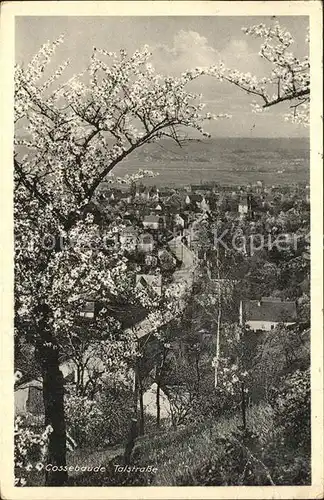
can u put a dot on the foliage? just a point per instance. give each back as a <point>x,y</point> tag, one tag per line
<point>291,401</point>
<point>83,419</point>
<point>238,464</point>
<point>279,354</point>
<point>99,422</point>
<point>116,405</point>
<point>30,449</point>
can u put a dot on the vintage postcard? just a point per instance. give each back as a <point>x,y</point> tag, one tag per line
<point>162,244</point>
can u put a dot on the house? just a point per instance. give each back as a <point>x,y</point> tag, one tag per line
<point>193,201</point>
<point>127,199</point>
<point>245,205</point>
<point>259,187</point>
<point>200,188</point>
<point>175,202</point>
<point>149,402</point>
<point>180,250</point>
<point>151,222</point>
<point>88,309</point>
<point>148,194</point>
<point>188,237</point>
<point>204,205</point>
<point>179,220</point>
<point>28,398</point>
<point>151,260</point>
<point>128,237</point>
<point>267,313</point>
<point>166,260</point>
<point>155,194</point>
<point>146,243</point>
<point>92,365</point>
<point>149,281</point>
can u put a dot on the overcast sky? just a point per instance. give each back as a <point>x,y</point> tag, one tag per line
<point>177,43</point>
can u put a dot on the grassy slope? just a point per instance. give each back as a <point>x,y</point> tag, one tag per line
<point>178,453</point>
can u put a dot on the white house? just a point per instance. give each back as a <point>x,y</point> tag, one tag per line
<point>267,313</point>
<point>149,402</point>
<point>243,207</point>
<point>179,221</point>
<point>204,206</point>
<point>156,195</point>
<point>151,222</point>
<point>28,398</point>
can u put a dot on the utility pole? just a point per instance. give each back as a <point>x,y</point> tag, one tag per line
<point>219,317</point>
<point>133,429</point>
<point>243,405</point>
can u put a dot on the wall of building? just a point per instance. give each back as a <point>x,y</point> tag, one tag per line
<point>263,325</point>
<point>29,400</point>
<point>149,400</point>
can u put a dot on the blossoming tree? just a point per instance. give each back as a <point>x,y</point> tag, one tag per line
<point>68,139</point>
<point>288,79</point>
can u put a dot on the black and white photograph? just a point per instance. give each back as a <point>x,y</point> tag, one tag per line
<point>161,173</point>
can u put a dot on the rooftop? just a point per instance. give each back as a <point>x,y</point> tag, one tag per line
<point>151,218</point>
<point>270,309</point>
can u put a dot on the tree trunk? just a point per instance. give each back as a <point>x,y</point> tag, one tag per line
<point>197,371</point>
<point>218,344</point>
<point>219,318</point>
<point>158,407</point>
<point>141,405</point>
<point>53,396</point>
<point>133,430</point>
<point>243,406</point>
<point>130,441</point>
<point>78,381</point>
<point>47,352</point>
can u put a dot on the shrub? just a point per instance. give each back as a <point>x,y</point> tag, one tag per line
<point>291,402</point>
<point>30,448</point>
<point>237,463</point>
<point>84,420</point>
<point>289,453</point>
<point>100,422</point>
<point>117,406</point>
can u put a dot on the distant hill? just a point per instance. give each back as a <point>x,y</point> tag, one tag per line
<point>224,160</point>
